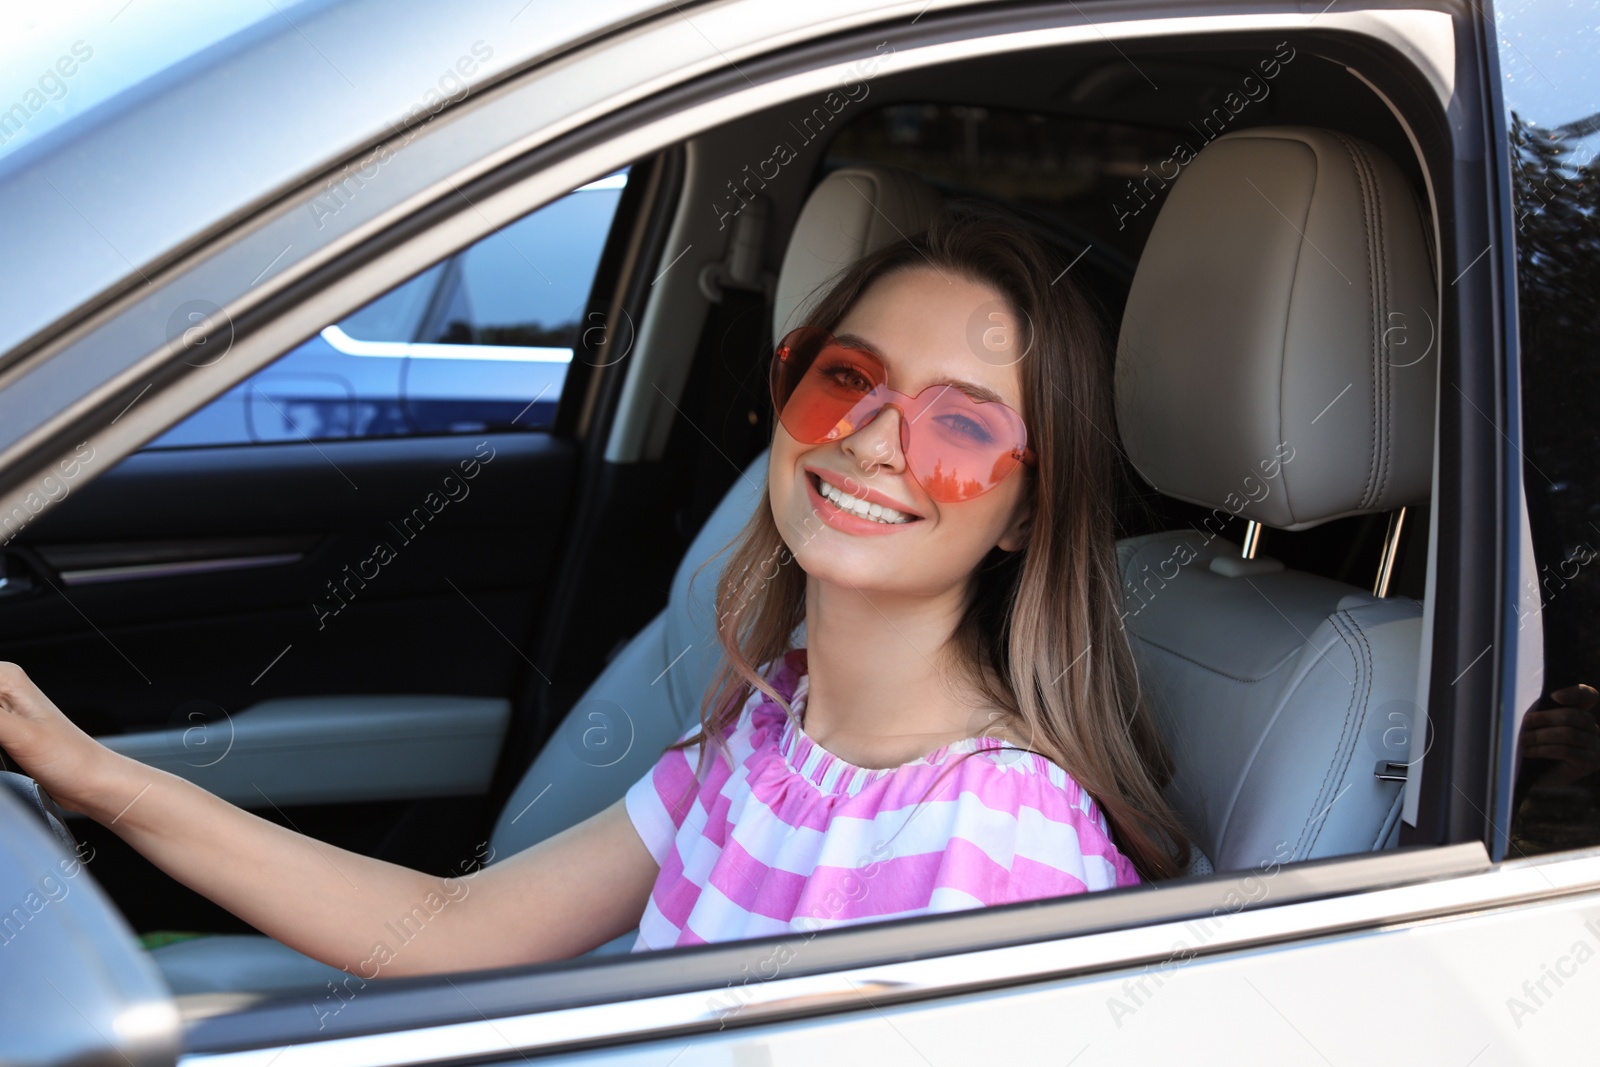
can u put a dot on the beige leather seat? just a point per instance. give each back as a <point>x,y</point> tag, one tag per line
<point>1259,373</point>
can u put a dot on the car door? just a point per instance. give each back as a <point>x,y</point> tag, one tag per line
<point>1272,964</point>
<point>313,595</point>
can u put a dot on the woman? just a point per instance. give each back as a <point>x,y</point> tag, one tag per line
<point>939,515</point>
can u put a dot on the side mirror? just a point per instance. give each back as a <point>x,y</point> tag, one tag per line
<point>75,987</point>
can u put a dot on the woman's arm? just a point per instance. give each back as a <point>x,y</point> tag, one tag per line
<point>563,896</point>
<point>554,900</point>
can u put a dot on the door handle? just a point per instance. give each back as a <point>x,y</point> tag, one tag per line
<point>20,569</point>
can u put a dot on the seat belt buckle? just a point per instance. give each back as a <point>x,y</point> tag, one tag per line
<point>1391,771</point>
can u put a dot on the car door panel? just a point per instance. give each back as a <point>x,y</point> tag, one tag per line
<point>760,998</point>
<point>324,633</point>
<point>1419,992</point>
<point>335,749</point>
<point>389,533</point>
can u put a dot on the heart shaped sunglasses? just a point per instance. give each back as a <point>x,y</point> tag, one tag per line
<point>956,447</point>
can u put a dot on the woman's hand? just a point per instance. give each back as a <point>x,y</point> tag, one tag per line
<point>48,746</point>
<point>1567,733</point>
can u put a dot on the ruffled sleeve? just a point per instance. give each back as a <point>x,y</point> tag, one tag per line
<point>1012,826</point>
<point>1062,837</point>
<point>660,800</point>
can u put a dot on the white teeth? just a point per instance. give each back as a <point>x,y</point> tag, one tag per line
<point>866,510</point>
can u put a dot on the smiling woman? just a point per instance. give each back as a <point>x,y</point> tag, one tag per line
<point>944,542</point>
<point>958,730</point>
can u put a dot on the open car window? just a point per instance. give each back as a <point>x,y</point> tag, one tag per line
<point>479,342</point>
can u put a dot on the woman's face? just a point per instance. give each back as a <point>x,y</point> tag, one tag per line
<point>927,326</point>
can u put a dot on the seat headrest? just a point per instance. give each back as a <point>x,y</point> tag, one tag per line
<point>853,211</point>
<point>1276,356</point>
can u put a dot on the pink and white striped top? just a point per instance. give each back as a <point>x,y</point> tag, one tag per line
<point>793,838</point>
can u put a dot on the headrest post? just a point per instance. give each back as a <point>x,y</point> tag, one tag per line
<point>1252,540</point>
<point>1391,551</point>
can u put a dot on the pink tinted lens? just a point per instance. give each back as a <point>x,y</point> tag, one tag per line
<point>961,448</point>
<point>821,386</point>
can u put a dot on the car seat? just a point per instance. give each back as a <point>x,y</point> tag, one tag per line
<point>1264,370</point>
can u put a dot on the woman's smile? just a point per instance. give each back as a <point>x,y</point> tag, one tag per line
<point>860,512</point>
<point>850,514</point>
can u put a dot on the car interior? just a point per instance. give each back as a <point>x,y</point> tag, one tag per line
<point>1252,240</point>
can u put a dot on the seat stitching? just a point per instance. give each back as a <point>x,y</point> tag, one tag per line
<point>1203,666</point>
<point>1283,344</point>
<point>1374,399</point>
<point>1382,288</point>
<point>1366,218</point>
<point>1323,789</point>
<point>1365,703</point>
<point>1380,393</point>
<point>1380,296</point>
<point>1356,661</point>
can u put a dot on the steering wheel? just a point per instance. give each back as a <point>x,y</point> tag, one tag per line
<point>38,801</point>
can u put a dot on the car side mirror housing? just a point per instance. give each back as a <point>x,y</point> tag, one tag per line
<point>75,987</point>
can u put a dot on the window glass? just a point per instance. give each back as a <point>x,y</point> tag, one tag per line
<point>528,285</point>
<point>1552,95</point>
<point>480,341</point>
<point>397,315</point>
<point>1079,173</point>
<point>1092,186</point>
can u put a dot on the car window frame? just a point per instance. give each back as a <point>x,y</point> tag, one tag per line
<point>1475,518</point>
<point>363,268</point>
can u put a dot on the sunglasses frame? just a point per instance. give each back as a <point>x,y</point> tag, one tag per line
<point>1023,453</point>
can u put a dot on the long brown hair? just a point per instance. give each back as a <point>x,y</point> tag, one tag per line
<point>1042,638</point>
